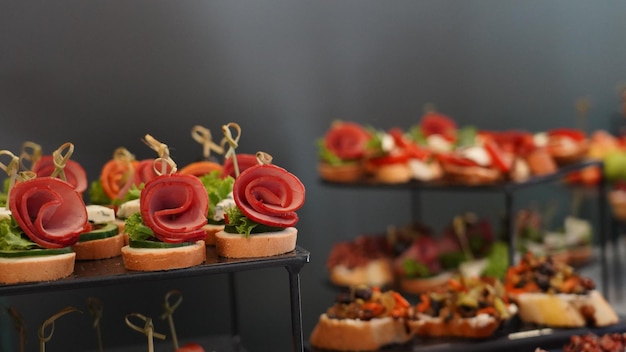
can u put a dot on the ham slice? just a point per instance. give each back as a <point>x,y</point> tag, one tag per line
<point>74,173</point>
<point>244,161</point>
<point>347,140</point>
<point>269,195</point>
<point>175,207</point>
<point>49,211</point>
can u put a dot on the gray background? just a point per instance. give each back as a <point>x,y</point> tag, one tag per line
<point>102,74</point>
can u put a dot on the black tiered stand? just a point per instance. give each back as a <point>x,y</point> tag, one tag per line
<point>525,338</point>
<point>106,272</point>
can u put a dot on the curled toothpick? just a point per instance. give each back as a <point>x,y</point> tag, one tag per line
<point>95,309</point>
<point>203,136</point>
<point>263,158</point>
<point>233,143</point>
<point>460,231</point>
<point>169,312</point>
<point>60,160</point>
<point>18,322</point>
<point>164,160</point>
<point>43,337</point>
<point>29,155</point>
<point>11,169</point>
<point>147,329</point>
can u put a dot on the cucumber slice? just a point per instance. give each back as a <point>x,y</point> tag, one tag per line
<point>33,252</point>
<point>157,244</point>
<point>100,232</point>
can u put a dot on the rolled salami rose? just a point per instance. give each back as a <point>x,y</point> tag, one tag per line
<point>175,208</point>
<point>269,195</point>
<point>49,211</point>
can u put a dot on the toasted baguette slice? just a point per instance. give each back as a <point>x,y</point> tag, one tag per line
<point>480,326</point>
<point>393,173</point>
<point>415,286</point>
<point>211,230</point>
<point>99,249</point>
<point>377,272</point>
<point>471,175</point>
<point>358,335</point>
<point>565,310</point>
<point>155,259</point>
<point>350,172</point>
<point>569,154</point>
<point>232,245</point>
<point>36,268</point>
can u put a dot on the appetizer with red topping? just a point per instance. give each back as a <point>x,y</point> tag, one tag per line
<point>437,131</point>
<point>167,232</point>
<point>466,307</point>
<point>43,219</point>
<point>363,319</point>
<point>418,268</point>
<point>551,293</point>
<point>262,221</point>
<point>394,158</point>
<point>610,342</point>
<point>341,152</point>
<point>366,260</point>
<point>567,145</point>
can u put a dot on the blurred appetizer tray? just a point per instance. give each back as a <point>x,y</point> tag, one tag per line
<point>508,188</point>
<point>112,271</point>
<point>497,187</point>
<point>525,340</point>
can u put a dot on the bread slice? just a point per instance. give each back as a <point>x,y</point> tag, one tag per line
<point>377,272</point>
<point>565,310</point>
<point>36,268</point>
<point>155,259</point>
<point>480,326</point>
<point>266,244</point>
<point>358,335</point>
<point>419,285</point>
<point>211,230</point>
<point>393,173</point>
<point>349,172</point>
<point>99,249</point>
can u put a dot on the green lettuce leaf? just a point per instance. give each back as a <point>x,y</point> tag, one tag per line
<point>133,193</point>
<point>97,194</point>
<point>498,260</point>
<point>217,188</point>
<point>417,135</point>
<point>241,224</point>
<point>327,156</point>
<point>136,229</point>
<point>12,237</point>
<point>466,136</point>
<point>414,269</point>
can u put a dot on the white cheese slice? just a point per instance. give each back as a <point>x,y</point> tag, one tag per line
<point>388,143</point>
<point>5,213</point>
<point>221,206</point>
<point>476,153</point>
<point>128,208</point>
<point>438,143</point>
<point>99,214</point>
<point>540,139</point>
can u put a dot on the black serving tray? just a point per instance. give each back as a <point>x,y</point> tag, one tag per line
<point>527,339</point>
<point>112,271</point>
<point>455,186</point>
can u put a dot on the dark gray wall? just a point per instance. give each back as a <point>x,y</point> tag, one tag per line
<point>101,74</point>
